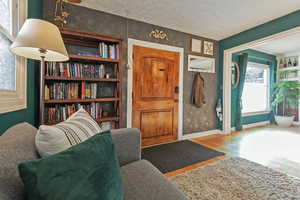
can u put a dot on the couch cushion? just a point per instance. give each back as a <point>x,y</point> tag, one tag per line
<point>128,144</point>
<point>76,129</point>
<point>16,145</point>
<point>142,181</point>
<point>89,170</point>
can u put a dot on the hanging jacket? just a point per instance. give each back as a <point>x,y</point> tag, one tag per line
<point>198,97</point>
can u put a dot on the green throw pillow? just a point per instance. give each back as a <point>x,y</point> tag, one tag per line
<point>89,170</point>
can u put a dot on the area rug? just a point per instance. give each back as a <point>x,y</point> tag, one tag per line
<point>237,179</point>
<point>177,155</point>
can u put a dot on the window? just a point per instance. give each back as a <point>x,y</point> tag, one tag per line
<point>12,69</point>
<point>255,97</point>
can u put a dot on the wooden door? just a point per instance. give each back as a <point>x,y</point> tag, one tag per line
<point>155,94</point>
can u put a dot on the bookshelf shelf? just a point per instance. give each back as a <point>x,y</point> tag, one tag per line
<point>81,100</point>
<point>68,33</point>
<point>77,78</point>
<point>93,58</point>
<point>51,123</point>
<point>81,79</point>
<point>104,119</point>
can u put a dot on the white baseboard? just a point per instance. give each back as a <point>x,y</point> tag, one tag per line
<point>296,123</point>
<point>201,134</point>
<point>252,125</point>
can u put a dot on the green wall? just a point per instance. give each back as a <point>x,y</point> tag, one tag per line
<point>261,58</point>
<point>30,114</point>
<point>275,26</point>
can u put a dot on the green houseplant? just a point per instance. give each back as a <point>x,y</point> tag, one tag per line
<point>286,95</point>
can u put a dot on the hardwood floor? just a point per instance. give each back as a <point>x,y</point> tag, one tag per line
<point>277,148</point>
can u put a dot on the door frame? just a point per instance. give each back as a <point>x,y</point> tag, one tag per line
<point>129,67</point>
<point>227,63</point>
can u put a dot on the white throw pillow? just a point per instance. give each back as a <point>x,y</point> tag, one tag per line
<point>76,129</point>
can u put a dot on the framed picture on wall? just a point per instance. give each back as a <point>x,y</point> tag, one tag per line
<point>201,64</point>
<point>208,48</point>
<point>196,46</point>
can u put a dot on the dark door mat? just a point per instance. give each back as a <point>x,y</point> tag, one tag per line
<point>177,155</point>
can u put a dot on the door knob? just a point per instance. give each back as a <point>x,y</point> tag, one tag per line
<point>176,89</point>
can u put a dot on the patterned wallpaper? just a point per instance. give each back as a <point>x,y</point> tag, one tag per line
<point>195,119</point>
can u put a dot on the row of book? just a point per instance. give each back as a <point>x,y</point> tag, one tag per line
<point>109,50</point>
<point>64,91</point>
<point>60,90</point>
<point>62,112</point>
<point>90,90</point>
<point>77,70</point>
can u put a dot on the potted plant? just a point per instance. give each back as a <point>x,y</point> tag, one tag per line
<point>286,95</point>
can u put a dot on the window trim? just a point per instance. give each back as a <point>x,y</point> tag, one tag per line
<point>256,113</point>
<point>268,110</point>
<point>17,100</point>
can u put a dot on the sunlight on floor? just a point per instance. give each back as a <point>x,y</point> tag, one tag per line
<point>272,146</point>
<point>271,143</point>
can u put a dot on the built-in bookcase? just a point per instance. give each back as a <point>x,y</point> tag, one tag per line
<point>90,79</point>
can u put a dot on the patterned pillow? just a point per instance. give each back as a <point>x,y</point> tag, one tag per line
<point>76,129</point>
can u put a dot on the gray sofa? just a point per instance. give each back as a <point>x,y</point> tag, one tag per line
<point>141,179</point>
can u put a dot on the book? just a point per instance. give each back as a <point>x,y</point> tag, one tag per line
<point>47,93</point>
<point>61,91</point>
<point>107,50</point>
<point>75,70</point>
<point>59,112</point>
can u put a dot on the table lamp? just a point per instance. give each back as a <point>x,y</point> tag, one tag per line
<point>40,40</point>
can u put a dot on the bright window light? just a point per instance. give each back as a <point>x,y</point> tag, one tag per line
<point>255,97</point>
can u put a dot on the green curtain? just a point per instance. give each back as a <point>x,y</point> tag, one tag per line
<point>243,61</point>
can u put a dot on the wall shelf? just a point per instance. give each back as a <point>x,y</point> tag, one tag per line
<point>291,73</point>
<point>289,68</point>
<point>290,79</point>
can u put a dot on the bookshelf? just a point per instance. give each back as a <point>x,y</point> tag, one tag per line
<point>93,58</point>
<point>81,100</point>
<point>91,78</point>
<point>81,79</point>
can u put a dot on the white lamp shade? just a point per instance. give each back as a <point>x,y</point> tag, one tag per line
<point>36,35</point>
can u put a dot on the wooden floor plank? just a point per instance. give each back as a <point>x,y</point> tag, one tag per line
<point>277,148</point>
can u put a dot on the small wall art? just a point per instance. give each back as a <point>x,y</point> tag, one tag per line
<point>201,64</point>
<point>196,46</point>
<point>158,34</point>
<point>208,48</point>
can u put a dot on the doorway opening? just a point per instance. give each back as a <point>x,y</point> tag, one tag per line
<point>266,54</point>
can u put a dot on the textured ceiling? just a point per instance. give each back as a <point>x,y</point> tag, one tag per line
<point>286,45</point>
<point>216,19</point>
